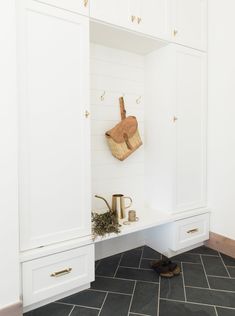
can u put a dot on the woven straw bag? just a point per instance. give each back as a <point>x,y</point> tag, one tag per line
<point>124,138</point>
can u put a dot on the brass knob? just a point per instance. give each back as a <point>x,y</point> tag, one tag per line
<point>87,114</point>
<point>175,32</point>
<point>133,18</point>
<point>139,20</point>
<point>85,2</point>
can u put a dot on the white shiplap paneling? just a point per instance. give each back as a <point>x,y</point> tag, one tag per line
<point>116,73</point>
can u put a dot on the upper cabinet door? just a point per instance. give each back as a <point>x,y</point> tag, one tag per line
<point>154,18</point>
<point>189,23</point>
<point>54,188</point>
<point>78,6</point>
<point>111,11</point>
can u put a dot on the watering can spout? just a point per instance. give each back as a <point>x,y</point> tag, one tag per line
<point>100,197</point>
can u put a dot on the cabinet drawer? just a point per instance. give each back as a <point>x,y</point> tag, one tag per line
<point>52,275</point>
<point>190,231</point>
<point>77,6</point>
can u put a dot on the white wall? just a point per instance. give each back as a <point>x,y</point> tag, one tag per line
<point>116,72</point>
<point>221,163</point>
<point>9,274</point>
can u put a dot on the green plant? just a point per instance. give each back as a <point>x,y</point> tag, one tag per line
<point>105,223</point>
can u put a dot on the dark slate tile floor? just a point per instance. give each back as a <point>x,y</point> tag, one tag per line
<point>126,286</point>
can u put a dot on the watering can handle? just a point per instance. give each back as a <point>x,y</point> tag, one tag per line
<point>100,197</point>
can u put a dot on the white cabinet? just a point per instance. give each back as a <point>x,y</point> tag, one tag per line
<point>49,276</point>
<point>149,17</point>
<point>111,11</point>
<point>176,129</point>
<point>77,6</point>
<point>54,175</point>
<point>189,23</point>
<point>153,18</point>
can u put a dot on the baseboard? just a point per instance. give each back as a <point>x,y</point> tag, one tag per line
<point>221,244</point>
<point>12,310</point>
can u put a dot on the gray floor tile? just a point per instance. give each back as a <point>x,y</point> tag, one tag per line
<point>108,266</point>
<point>203,250</point>
<point>131,258</point>
<point>149,253</point>
<point>51,309</point>
<point>137,274</point>
<point>194,275</point>
<point>231,271</point>
<point>86,298</point>
<point>187,257</point>
<point>225,312</point>
<point>168,308</point>
<point>116,305</point>
<point>214,266</point>
<point>222,284</point>
<point>145,299</point>
<point>172,288</point>
<point>211,297</point>
<point>82,311</point>
<point>146,263</point>
<point>113,285</point>
<point>228,260</point>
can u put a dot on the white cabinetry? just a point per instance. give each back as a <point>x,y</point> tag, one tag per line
<point>149,17</point>
<point>189,23</point>
<point>51,275</point>
<point>78,6</point>
<point>54,183</point>
<point>111,11</point>
<point>176,129</point>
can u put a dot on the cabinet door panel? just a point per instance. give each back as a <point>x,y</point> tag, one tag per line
<point>190,22</point>
<point>111,11</point>
<point>54,155</point>
<point>78,6</point>
<point>190,129</point>
<point>155,18</point>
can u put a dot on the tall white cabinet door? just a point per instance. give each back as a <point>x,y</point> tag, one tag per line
<point>190,122</point>
<point>189,23</point>
<point>54,133</point>
<point>111,11</point>
<point>78,6</point>
<point>154,18</point>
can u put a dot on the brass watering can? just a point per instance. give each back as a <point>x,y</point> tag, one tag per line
<point>118,204</point>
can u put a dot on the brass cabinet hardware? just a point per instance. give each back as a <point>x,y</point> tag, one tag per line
<point>175,32</point>
<point>193,231</point>
<point>61,273</point>
<point>139,20</point>
<point>85,3</point>
<point>175,119</point>
<point>133,18</point>
<point>87,114</point>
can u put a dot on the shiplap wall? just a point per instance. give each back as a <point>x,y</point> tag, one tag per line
<point>116,73</point>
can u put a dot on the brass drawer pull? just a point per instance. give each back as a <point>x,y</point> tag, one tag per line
<point>85,3</point>
<point>61,273</point>
<point>193,231</point>
<point>139,20</point>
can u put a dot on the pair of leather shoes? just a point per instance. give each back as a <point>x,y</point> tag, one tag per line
<point>166,268</point>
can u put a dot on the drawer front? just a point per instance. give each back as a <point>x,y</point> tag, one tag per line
<point>77,6</point>
<point>190,231</point>
<point>52,275</point>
